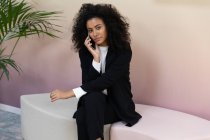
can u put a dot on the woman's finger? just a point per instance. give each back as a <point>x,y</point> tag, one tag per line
<point>51,95</point>
<point>87,40</point>
<point>54,98</point>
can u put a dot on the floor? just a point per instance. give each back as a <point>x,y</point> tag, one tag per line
<point>9,126</point>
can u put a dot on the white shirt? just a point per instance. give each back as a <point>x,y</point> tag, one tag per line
<point>100,67</point>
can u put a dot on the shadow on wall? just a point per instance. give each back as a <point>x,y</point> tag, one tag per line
<point>145,83</point>
<point>145,67</point>
<point>194,2</point>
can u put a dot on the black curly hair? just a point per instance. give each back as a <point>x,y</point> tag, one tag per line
<point>117,27</point>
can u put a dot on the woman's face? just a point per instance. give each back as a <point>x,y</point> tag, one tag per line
<point>97,31</point>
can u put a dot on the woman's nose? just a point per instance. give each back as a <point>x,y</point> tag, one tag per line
<point>95,33</point>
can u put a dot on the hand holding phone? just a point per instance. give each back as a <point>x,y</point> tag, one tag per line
<point>89,43</point>
<point>94,50</point>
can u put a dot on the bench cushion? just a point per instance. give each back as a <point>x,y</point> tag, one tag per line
<point>162,124</point>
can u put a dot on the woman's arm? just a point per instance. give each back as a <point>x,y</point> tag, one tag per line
<point>89,73</point>
<point>116,70</point>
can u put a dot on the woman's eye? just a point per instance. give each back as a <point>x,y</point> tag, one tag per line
<point>89,31</point>
<point>98,28</point>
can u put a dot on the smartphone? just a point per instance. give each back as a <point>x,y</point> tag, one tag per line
<point>92,42</point>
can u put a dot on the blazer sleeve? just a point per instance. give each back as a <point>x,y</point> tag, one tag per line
<point>118,68</point>
<point>89,73</point>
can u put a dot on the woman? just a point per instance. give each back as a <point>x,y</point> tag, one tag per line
<point>100,35</point>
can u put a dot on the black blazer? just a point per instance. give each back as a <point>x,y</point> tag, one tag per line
<point>115,79</point>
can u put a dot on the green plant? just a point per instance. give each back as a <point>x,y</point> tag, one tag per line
<point>19,19</point>
<point>5,61</point>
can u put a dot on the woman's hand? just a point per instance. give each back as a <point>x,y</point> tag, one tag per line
<point>94,51</point>
<point>58,94</point>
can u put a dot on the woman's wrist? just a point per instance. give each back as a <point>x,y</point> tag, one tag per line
<point>97,59</point>
<point>69,94</point>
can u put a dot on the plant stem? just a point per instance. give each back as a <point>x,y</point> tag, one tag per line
<point>14,47</point>
<point>11,54</point>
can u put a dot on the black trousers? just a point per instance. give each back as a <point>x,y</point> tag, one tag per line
<point>93,113</point>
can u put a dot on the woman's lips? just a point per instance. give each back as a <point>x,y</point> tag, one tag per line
<point>97,39</point>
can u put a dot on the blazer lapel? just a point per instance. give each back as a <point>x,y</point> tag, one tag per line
<point>109,58</point>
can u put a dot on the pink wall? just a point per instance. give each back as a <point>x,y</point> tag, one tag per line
<point>170,65</point>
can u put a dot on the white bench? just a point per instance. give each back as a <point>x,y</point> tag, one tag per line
<point>43,120</point>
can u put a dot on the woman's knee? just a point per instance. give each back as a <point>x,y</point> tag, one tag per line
<point>95,98</point>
